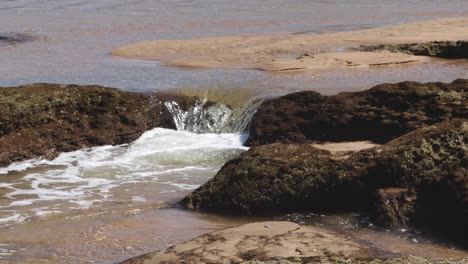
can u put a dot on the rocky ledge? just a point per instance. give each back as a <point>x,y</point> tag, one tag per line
<point>417,176</point>
<point>42,120</point>
<point>380,114</point>
<point>440,49</point>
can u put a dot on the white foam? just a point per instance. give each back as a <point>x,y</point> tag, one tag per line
<point>176,160</point>
<point>138,199</point>
<point>185,186</point>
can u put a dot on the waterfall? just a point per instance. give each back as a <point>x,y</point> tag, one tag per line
<point>208,117</point>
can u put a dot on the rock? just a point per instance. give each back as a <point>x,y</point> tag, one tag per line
<point>344,260</point>
<point>441,49</point>
<point>283,243</point>
<point>380,114</point>
<point>42,120</point>
<point>393,207</point>
<point>273,177</point>
<point>253,242</point>
<point>14,38</point>
<point>424,155</point>
<point>285,177</point>
<point>442,205</point>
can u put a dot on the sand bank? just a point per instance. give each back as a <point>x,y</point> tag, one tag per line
<point>292,52</point>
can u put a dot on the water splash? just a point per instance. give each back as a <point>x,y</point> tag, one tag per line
<point>207,117</point>
<point>162,165</point>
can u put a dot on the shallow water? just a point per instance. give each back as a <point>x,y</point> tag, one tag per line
<point>119,200</point>
<point>74,38</point>
<point>161,165</point>
<point>108,203</point>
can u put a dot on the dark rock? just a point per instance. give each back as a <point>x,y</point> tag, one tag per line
<point>380,114</point>
<point>42,120</point>
<point>442,205</point>
<point>284,177</point>
<point>440,49</point>
<point>268,178</point>
<point>13,38</point>
<point>393,207</point>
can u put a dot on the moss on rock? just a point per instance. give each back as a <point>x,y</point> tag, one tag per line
<point>380,114</point>
<point>42,120</point>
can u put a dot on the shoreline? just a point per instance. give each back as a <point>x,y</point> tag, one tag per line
<point>299,52</point>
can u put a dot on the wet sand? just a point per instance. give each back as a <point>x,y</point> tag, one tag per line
<point>292,52</point>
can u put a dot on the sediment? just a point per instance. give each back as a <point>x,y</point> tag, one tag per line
<point>444,38</point>
<point>42,120</point>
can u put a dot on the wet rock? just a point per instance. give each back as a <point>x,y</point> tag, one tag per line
<point>12,38</point>
<point>284,177</point>
<point>343,260</point>
<point>393,207</point>
<point>442,205</point>
<point>270,178</point>
<point>380,114</point>
<point>282,243</point>
<point>42,120</point>
<point>440,49</point>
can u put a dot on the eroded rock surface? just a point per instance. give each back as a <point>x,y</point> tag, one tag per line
<point>259,242</point>
<point>380,114</point>
<point>42,120</point>
<point>280,243</point>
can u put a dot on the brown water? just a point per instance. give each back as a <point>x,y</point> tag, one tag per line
<point>105,204</point>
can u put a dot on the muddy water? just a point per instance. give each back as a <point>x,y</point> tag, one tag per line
<point>106,204</point>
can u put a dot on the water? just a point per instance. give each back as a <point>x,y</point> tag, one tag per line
<point>109,203</point>
<point>161,165</point>
<point>99,197</point>
<point>74,38</point>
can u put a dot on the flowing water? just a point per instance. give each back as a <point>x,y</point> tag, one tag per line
<point>105,204</point>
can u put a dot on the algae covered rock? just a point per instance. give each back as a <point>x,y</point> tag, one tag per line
<point>393,207</point>
<point>41,120</point>
<point>442,204</point>
<point>380,114</point>
<point>281,177</point>
<point>440,49</point>
<point>270,178</point>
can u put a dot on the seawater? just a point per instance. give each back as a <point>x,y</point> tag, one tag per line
<point>73,38</point>
<point>162,164</point>
<point>98,196</point>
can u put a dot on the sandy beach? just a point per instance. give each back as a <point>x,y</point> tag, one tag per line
<point>292,52</point>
